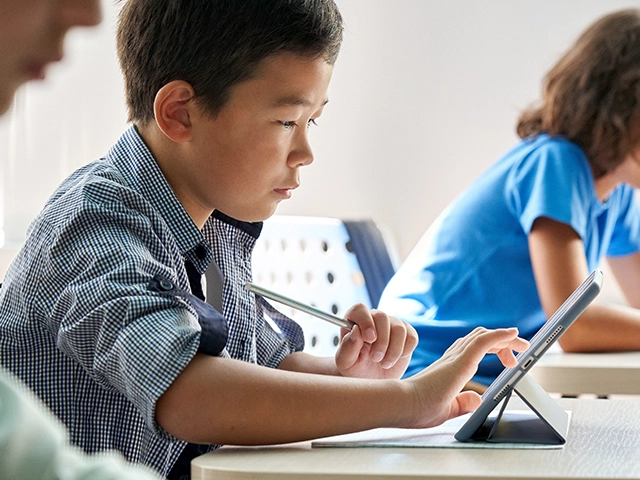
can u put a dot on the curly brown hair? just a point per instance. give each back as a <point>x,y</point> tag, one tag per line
<point>592,95</point>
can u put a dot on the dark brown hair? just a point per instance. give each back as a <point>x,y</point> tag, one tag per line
<point>215,44</point>
<point>592,95</point>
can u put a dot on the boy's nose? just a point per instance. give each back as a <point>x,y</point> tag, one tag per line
<point>302,154</point>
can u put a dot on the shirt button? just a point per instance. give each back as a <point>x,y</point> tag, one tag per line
<point>201,252</point>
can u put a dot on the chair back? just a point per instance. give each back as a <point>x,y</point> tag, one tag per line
<point>326,262</point>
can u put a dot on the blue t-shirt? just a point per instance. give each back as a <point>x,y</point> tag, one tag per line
<point>472,266</point>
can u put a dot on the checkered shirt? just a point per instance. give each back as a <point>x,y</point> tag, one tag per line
<point>80,326</point>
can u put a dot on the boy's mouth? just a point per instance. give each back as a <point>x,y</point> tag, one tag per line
<point>285,192</point>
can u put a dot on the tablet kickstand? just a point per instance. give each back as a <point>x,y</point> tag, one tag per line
<point>547,423</point>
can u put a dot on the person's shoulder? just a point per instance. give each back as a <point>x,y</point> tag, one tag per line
<point>549,162</point>
<point>555,151</point>
<point>95,195</point>
<point>554,144</point>
<point>104,183</point>
<point>97,182</point>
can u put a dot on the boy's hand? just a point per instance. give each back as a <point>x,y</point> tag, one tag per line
<point>438,387</point>
<point>378,346</point>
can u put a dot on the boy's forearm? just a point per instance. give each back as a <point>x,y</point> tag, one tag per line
<point>305,363</point>
<point>223,401</point>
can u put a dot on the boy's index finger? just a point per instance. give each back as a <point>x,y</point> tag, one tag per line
<point>482,341</point>
<point>360,315</point>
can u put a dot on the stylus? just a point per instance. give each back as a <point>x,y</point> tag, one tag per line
<point>303,307</point>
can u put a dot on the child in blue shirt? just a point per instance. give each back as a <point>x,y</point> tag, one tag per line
<point>512,247</point>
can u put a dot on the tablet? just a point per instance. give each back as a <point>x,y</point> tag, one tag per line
<point>540,343</point>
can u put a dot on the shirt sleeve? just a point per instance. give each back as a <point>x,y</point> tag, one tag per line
<point>553,181</point>
<point>95,300</point>
<point>625,239</point>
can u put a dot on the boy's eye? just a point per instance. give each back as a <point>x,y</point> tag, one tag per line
<point>289,125</point>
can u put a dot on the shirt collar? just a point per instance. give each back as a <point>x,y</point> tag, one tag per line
<point>252,229</point>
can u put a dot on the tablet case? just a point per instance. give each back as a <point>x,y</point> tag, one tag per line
<point>547,423</point>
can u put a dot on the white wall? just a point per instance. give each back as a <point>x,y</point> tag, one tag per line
<point>425,96</point>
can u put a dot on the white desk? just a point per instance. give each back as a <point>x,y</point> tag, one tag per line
<point>602,374</point>
<point>603,443</point>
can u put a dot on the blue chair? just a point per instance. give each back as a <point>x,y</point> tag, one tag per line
<point>326,262</point>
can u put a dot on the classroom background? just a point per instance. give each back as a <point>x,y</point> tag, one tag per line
<point>425,96</point>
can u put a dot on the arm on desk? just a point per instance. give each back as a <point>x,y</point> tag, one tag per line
<point>626,270</point>
<point>224,401</point>
<point>559,266</point>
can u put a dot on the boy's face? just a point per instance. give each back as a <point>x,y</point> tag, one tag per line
<point>31,37</point>
<point>248,158</point>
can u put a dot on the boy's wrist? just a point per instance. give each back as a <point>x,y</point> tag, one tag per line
<point>402,400</point>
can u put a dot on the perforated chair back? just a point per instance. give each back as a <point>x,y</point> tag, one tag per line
<point>326,262</point>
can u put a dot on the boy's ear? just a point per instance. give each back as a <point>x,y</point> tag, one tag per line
<point>172,108</point>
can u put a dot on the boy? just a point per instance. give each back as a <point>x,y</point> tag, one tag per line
<point>116,336</point>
